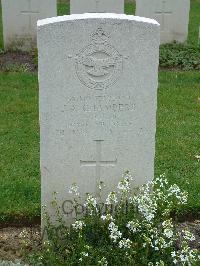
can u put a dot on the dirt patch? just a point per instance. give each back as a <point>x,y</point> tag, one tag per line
<point>18,61</point>
<point>12,241</point>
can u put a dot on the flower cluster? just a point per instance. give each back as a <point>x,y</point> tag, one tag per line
<point>185,256</point>
<point>91,204</point>
<point>103,262</point>
<point>134,226</point>
<point>78,225</point>
<point>146,202</point>
<point>175,191</point>
<point>124,186</point>
<point>115,234</point>
<point>112,198</point>
<point>107,217</point>
<point>125,243</point>
<point>168,228</point>
<point>74,189</point>
<point>83,254</point>
<point>188,236</point>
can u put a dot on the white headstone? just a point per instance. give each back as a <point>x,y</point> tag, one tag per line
<point>20,21</point>
<point>173,16</point>
<point>96,6</point>
<point>98,98</point>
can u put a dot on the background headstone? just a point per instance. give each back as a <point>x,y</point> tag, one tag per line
<point>96,6</point>
<point>173,16</point>
<point>98,98</point>
<point>20,21</point>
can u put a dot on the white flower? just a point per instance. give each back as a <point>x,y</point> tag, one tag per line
<point>112,198</point>
<point>91,204</point>
<point>78,225</point>
<point>185,256</point>
<point>168,233</point>
<point>125,243</point>
<point>115,234</point>
<point>133,226</point>
<point>74,189</point>
<point>174,190</point>
<point>197,157</point>
<point>188,236</point>
<point>103,262</point>
<point>127,176</point>
<point>173,254</point>
<point>83,254</point>
<point>124,185</point>
<point>107,217</point>
<point>146,202</point>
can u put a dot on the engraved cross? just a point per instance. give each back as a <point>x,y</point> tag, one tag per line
<point>97,5</point>
<point>98,162</point>
<point>30,12</point>
<point>163,14</point>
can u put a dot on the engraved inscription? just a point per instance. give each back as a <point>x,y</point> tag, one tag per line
<point>99,65</point>
<point>101,103</point>
<point>163,14</point>
<point>98,162</point>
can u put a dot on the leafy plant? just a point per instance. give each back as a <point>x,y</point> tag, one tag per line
<point>133,227</point>
<point>180,56</point>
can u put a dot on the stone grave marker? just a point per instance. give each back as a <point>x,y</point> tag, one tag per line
<point>96,6</point>
<point>98,99</point>
<point>20,21</point>
<point>173,16</point>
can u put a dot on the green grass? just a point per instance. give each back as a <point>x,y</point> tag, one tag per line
<point>19,145</point>
<point>178,142</point>
<point>194,22</point>
<point>178,130</point>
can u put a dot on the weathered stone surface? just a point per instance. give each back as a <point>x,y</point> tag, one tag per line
<point>96,6</point>
<point>173,16</point>
<point>20,21</point>
<point>98,94</point>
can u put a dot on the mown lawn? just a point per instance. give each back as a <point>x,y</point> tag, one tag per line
<point>177,142</point>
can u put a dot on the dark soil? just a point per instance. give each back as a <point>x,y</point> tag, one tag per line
<point>18,61</point>
<point>13,241</point>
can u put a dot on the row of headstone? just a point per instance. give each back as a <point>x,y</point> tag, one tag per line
<point>20,21</point>
<point>98,76</point>
<point>96,6</point>
<point>20,16</point>
<point>173,16</point>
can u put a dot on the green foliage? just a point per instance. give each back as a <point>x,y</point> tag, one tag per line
<point>133,228</point>
<point>180,56</point>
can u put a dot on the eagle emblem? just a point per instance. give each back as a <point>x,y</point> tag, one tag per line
<point>99,65</point>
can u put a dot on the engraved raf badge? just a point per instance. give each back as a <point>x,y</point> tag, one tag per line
<point>98,65</point>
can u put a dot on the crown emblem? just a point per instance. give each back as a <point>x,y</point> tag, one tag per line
<point>100,36</point>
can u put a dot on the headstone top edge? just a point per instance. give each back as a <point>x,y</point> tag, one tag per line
<point>84,16</point>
